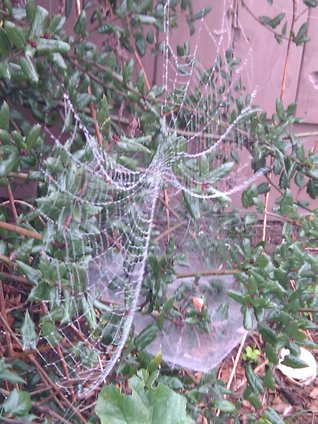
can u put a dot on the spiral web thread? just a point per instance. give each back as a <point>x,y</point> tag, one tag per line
<point>102,266</point>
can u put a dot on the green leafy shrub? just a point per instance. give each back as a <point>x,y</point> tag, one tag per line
<point>48,237</point>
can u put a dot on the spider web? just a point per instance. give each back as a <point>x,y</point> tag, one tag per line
<point>100,217</point>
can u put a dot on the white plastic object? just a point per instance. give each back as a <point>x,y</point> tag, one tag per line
<point>300,376</point>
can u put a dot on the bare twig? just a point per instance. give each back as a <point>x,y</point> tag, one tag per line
<point>208,272</point>
<point>8,276</point>
<point>11,200</point>
<point>170,230</point>
<point>20,230</point>
<point>237,358</point>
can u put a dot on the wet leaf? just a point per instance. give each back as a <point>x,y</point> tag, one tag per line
<point>145,406</point>
<point>18,404</point>
<point>28,333</point>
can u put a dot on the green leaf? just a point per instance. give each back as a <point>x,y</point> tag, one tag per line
<point>5,70</point>
<point>271,415</point>
<point>15,34</point>
<point>312,189</point>
<point>147,19</point>
<point>11,162</point>
<point>80,26</point>
<point>56,23</point>
<point>18,404</point>
<point>150,37</point>
<point>255,382</point>
<point>167,407</point>
<point>145,406</point>
<point>220,172</point>
<point>147,336</point>
<point>46,46</point>
<point>311,3</point>
<point>267,333</point>
<point>7,375</point>
<point>294,362</point>
<point>33,135</point>
<point>29,69</point>
<point>201,14</point>
<point>4,44</point>
<point>272,22</point>
<point>193,205</point>
<point>140,43</point>
<point>4,116</point>
<point>42,291</point>
<point>31,273</point>
<point>38,22</point>
<point>269,379</point>
<point>131,145</point>
<point>287,206</point>
<point>225,406</point>
<point>248,318</point>
<point>248,196</point>
<point>58,60</point>
<point>28,333</point>
<point>238,297</point>
<point>280,108</point>
<point>301,36</point>
<point>252,397</point>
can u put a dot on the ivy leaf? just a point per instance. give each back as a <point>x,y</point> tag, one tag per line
<point>7,375</point>
<point>144,406</point>
<point>18,404</point>
<point>28,333</point>
<point>31,273</point>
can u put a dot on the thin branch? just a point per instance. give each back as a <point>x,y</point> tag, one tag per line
<point>11,200</point>
<point>93,113</point>
<point>170,230</point>
<point>236,362</point>
<point>21,175</point>
<point>7,276</point>
<point>282,91</point>
<point>6,260</point>
<point>47,411</point>
<point>208,272</point>
<point>20,230</point>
